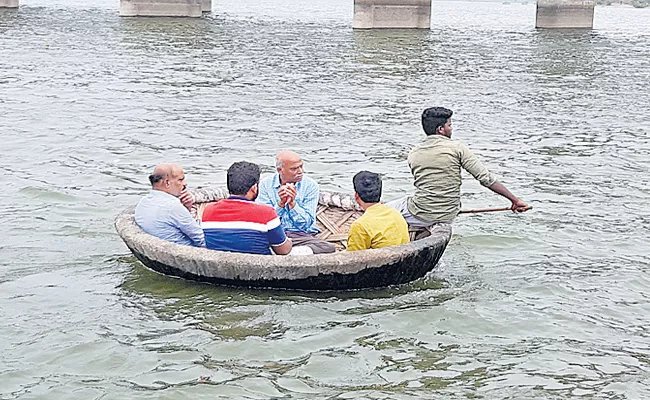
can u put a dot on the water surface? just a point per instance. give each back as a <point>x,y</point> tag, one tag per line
<point>550,304</point>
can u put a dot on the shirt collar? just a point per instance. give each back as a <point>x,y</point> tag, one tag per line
<point>276,181</point>
<point>374,207</point>
<point>160,193</point>
<point>437,137</point>
<point>242,198</point>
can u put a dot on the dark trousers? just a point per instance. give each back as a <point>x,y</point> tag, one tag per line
<point>318,246</point>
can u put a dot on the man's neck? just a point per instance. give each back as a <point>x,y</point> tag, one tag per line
<point>283,182</point>
<point>366,206</point>
<point>241,197</point>
<point>163,191</point>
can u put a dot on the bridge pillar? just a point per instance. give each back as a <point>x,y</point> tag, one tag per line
<point>160,8</point>
<point>206,5</point>
<point>565,14</point>
<point>392,14</point>
<point>8,3</point>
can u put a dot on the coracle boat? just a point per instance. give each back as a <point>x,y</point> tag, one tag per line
<point>342,270</point>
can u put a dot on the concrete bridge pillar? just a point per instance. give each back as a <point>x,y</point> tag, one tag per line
<point>206,5</point>
<point>8,3</point>
<point>565,14</point>
<point>392,14</point>
<point>160,8</point>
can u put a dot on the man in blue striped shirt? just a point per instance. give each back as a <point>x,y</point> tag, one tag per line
<point>164,212</point>
<point>295,199</point>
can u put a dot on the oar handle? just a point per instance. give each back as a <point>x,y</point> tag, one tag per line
<point>482,210</point>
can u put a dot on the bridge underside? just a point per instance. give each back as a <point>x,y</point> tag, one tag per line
<point>164,8</point>
<point>413,14</point>
<point>8,3</point>
<point>370,14</point>
<point>565,14</point>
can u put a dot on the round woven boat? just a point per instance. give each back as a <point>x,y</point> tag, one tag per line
<point>343,270</point>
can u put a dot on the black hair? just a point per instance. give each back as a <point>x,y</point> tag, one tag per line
<point>434,117</point>
<point>155,178</point>
<point>368,186</point>
<point>241,177</point>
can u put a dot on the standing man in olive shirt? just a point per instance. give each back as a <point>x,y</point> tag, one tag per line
<point>436,166</point>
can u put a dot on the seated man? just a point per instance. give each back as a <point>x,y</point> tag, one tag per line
<point>295,199</point>
<point>380,225</point>
<point>164,212</point>
<point>240,225</point>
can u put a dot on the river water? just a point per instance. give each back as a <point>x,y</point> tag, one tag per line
<point>550,304</point>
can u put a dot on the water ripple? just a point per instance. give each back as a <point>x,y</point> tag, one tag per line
<point>551,304</point>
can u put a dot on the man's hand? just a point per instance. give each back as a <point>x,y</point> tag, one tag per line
<point>283,196</point>
<point>519,206</point>
<point>186,199</point>
<point>292,193</point>
<point>288,195</point>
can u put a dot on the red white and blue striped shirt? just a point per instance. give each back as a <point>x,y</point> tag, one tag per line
<point>239,225</point>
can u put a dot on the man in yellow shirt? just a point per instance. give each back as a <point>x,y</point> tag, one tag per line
<point>380,225</point>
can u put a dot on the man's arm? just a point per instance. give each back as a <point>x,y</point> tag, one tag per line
<point>517,204</point>
<point>358,238</point>
<point>284,248</point>
<point>189,226</point>
<point>280,243</point>
<point>473,165</point>
<point>303,212</point>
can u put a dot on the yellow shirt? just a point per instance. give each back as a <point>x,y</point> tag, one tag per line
<point>379,226</point>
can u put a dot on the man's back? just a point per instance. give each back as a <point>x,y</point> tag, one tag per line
<point>240,225</point>
<point>436,166</point>
<point>380,226</point>
<point>162,215</point>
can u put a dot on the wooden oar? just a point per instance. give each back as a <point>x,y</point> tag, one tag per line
<point>482,210</point>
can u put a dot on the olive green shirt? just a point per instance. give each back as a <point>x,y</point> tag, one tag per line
<point>436,165</point>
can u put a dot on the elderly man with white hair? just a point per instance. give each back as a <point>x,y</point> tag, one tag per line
<point>295,199</point>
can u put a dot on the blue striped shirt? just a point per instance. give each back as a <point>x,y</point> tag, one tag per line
<point>164,216</point>
<point>302,218</point>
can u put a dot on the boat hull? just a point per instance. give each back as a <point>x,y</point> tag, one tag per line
<point>337,271</point>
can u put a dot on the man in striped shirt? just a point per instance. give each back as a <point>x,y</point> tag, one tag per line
<point>240,225</point>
